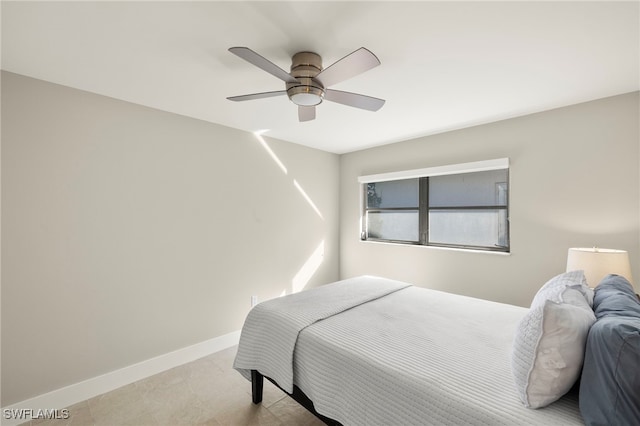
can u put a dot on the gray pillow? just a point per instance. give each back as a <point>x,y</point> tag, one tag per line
<point>610,381</point>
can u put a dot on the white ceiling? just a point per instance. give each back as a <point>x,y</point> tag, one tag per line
<point>445,65</point>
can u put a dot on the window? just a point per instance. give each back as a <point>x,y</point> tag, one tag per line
<point>463,206</point>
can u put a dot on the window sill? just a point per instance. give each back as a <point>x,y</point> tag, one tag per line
<point>499,253</point>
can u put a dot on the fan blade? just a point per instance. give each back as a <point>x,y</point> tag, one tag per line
<point>351,65</point>
<point>353,99</point>
<point>306,113</point>
<point>257,96</point>
<point>262,63</point>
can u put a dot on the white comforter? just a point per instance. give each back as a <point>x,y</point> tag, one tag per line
<point>411,357</point>
<point>271,329</point>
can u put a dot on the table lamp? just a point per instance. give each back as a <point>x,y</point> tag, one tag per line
<point>598,263</point>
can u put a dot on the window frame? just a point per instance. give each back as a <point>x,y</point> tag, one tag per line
<point>423,207</point>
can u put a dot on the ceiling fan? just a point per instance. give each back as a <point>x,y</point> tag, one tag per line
<point>306,84</point>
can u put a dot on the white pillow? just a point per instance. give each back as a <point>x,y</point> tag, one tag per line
<point>548,348</point>
<point>553,289</point>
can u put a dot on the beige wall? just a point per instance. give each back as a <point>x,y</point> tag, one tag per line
<point>574,182</point>
<point>128,232</point>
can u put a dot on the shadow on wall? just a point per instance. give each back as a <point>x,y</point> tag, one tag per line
<point>301,279</point>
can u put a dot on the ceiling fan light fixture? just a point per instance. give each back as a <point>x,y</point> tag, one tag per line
<point>305,84</point>
<point>305,95</point>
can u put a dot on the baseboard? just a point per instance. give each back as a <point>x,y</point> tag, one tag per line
<point>95,386</point>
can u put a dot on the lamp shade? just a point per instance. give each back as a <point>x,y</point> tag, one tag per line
<point>598,263</point>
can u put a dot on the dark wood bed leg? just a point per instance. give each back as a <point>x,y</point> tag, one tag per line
<point>257,382</point>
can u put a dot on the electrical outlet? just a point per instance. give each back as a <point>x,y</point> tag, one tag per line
<point>254,301</point>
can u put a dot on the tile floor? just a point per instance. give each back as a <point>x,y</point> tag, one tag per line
<point>203,392</point>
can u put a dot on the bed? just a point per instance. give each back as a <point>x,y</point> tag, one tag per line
<point>373,351</point>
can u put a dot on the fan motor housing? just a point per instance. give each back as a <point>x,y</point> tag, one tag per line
<point>308,91</point>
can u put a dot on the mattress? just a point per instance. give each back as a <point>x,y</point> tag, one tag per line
<point>414,356</point>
